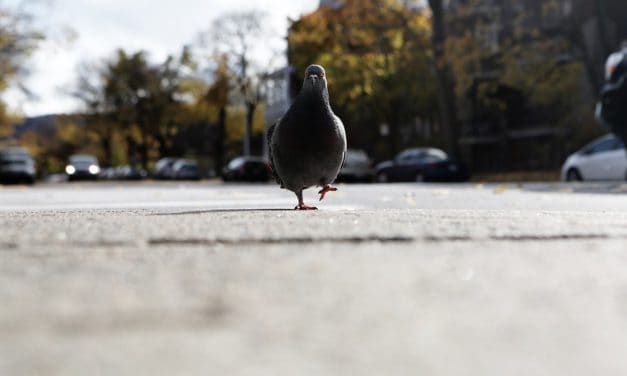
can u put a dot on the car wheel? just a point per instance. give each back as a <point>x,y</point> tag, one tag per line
<point>382,177</point>
<point>419,178</point>
<point>573,175</point>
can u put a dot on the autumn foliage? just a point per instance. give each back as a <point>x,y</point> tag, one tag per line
<point>377,56</point>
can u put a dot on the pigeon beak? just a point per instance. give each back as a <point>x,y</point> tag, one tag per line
<point>313,78</point>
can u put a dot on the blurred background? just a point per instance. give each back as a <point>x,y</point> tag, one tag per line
<point>489,89</point>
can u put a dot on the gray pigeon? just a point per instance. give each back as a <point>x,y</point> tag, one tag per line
<point>308,144</point>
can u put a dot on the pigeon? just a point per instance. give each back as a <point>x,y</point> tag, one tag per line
<point>307,145</point>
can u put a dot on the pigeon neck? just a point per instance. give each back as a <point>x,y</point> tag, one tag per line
<point>317,96</point>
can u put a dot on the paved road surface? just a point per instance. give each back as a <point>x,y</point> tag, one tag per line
<point>197,279</point>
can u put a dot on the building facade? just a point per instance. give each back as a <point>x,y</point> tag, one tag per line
<point>502,125</point>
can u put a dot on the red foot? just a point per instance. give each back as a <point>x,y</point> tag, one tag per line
<point>326,189</point>
<point>302,206</point>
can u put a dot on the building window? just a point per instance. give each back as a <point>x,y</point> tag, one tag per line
<point>554,11</point>
<point>487,34</point>
<point>567,8</point>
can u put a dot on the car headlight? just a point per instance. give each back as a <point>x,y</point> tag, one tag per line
<point>93,169</point>
<point>69,169</point>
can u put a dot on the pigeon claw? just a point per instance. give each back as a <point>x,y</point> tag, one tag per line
<point>302,206</point>
<point>326,189</point>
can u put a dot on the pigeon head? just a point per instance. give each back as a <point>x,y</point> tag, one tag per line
<point>315,78</point>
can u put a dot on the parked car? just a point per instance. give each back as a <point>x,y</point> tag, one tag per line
<point>107,173</point>
<point>356,167</point>
<point>82,166</point>
<point>130,173</point>
<point>163,168</point>
<point>185,169</point>
<point>247,169</point>
<point>603,159</point>
<point>17,166</point>
<point>421,164</point>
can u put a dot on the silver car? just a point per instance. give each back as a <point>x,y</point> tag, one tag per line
<point>356,167</point>
<point>603,159</point>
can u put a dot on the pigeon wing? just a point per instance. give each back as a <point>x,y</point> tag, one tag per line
<point>342,132</point>
<point>269,140</point>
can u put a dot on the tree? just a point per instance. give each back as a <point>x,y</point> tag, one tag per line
<point>96,112</point>
<point>595,29</point>
<point>18,39</point>
<point>216,99</point>
<point>144,102</point>
<point>376,54</point>
<point>243,38</point>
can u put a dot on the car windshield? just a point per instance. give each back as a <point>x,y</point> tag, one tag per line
<point>422,155</point>
<point>603,145</point>
<point>431,156</point>
<point>236,163</point>
<point>436,154</point>
<point>14,153</point>
<point>83,159</point>
<point>356,155</point>
<point>184,163</point>
<point>165,162</point>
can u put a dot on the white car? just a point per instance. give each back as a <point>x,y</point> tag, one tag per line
<point>603,159</point>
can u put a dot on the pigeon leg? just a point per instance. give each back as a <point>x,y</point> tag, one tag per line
<point>326,189</point>
<point>301,204</point>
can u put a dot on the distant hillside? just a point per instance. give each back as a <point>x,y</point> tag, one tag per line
<point>44,124</point>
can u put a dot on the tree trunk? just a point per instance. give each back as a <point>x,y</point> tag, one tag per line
<point>105,143</point>
<point>131,150</point>
<point>602,21</point>
<point>250,113</point>
<point>219,142</point>
<point>143,149</point>
<point>446,98</point>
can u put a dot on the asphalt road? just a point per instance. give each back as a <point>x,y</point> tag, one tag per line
<point>206,278</point>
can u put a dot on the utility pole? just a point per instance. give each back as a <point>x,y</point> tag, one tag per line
<point>446,99</point>
<point>602,22</point>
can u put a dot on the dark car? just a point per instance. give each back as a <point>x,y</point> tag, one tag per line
<point>107,173</point>
<point>16,166</point>
<point>129,173</point>
<point>163,168</point>
<point>82,167</point>
<point>421,164</point>
<point>185,169</point>
<point>247,169</point>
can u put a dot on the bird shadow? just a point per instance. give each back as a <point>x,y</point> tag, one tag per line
<point>206,211</point>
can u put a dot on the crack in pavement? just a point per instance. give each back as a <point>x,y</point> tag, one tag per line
<point>310,240</point>
<point>527,238</point>
<point>380,239</point>
<point>298,240</point>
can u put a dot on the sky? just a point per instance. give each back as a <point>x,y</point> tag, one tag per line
<point>160,27</point>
